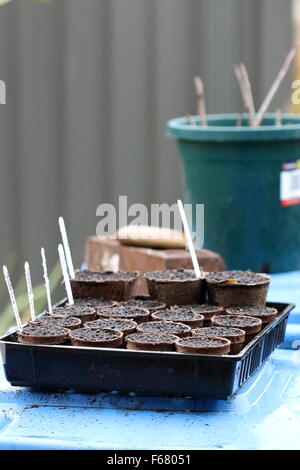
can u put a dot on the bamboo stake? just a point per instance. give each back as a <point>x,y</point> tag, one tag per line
<point>244,82</point>
<point>200,97</point>
<point>248,92</point>
<point>270,95</point>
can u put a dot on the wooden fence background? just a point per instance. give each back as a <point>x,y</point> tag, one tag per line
<point>90,85</point>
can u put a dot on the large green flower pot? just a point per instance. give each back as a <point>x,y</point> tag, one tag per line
<point>236,172</point>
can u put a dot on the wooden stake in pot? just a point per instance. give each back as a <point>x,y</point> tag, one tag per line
<point>243,79</point>
<point>270,95</point>
<point>65,241</point>
<point>29,290</point>
<point>46,278</point>
<point>197,269</point>
<point>65,274</point>
<point>201,108</point>
<point>12,297</point>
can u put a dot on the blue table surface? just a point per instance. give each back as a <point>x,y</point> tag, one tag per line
<point>265,414</point>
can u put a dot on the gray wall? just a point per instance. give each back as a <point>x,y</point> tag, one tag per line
<point>90,85</point>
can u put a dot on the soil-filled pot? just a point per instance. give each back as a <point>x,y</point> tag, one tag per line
<point>185,316</point>
<point>208,311</point>
<point>151,341</point>
<point>175,287</point>
<point>109,285</point>
<point>203,345</point>
<point>71,323</point>
<point>139,315</point>
<point>252,326</point>
<point>99,338</point>
<point>179,329</point>
<point>125,326</point>
<point>36,334</point>
<point>244,177</point>
<point>265,314</point>
<point>235,335</point>
<point>237,288</point>
<point>94,302</point>
<point>148,304</point>
<point>84,313</point>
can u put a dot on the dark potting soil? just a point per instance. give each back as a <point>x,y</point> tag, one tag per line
<point>73,310</point>
<point>172,275</point>
<point>64,322</point>
<point>219,331</point>
<point>176,315</point>
<point>163,327</point>
<point>118,325</point>
<point>241,277</point>
<point>234,320</point>
<point>197,341</point>
<point>152,337</point>
<point>92,302</point>
<point>36,330</point>
<point>86,275</point>
<point>196,308</point>
<point>251,311</point>
<point>125,312</point>
<point>141,303</point>
<point>95,335</point>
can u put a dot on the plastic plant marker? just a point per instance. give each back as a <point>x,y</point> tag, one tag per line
<point>47,283</point>
<point>12,297</point>
<point>64,269</point>
<point>198,271</point>
<point>66,245</point>
<point>29,290</point>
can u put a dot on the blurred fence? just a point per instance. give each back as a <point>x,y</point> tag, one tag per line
<point>90,85</point>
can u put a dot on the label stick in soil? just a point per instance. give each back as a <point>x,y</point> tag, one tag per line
<point>65,241</point>
<point>12,297</point>
<point>198,271</point>
<point>29,290</point>
<point>46,278</point>
<point>65,274</point>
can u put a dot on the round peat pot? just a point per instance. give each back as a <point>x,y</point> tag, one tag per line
<point>36,334</point>
<point>175,286</point>
<point>251,325</point>
<point>71,323</point>
<point>179,329</point>
<point>265,314</point>
<point>151,341</point>
<point>235,336</point>
<point>208,311</point>
<point>237,288</point>
<point>97,338</point>
<point>236,172</point>
<point>203,345</point>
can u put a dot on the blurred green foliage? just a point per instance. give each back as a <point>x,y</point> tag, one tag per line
<point>7,318</point>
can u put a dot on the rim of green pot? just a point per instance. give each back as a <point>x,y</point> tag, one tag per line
<point>223,128</point>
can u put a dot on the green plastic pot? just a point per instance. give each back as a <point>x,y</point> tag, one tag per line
<point>235,172</point>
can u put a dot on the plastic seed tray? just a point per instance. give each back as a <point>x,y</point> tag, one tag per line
<point>86,369</point>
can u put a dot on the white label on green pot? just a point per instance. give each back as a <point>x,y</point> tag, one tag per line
<point>290,183</point>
